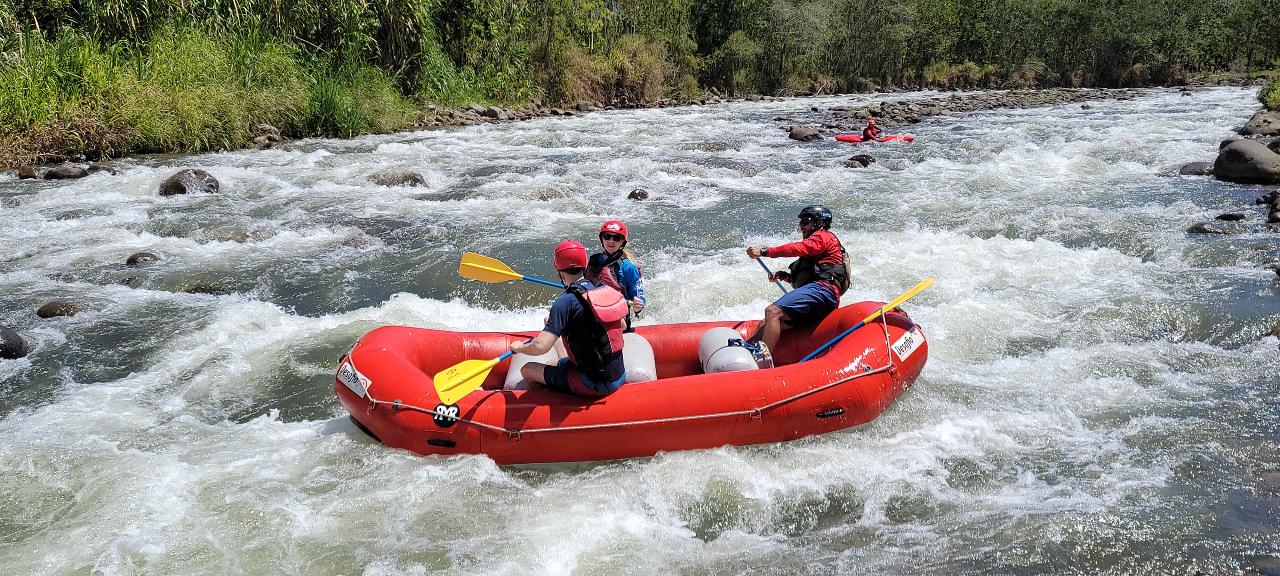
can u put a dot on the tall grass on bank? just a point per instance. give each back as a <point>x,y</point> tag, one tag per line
<point>185,90</point>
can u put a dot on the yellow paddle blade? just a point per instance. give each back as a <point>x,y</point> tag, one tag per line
<point>485,269</point>
<point>927,282</point>
<point>462,378</point>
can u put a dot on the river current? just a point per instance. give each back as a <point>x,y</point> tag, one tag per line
<point>1100,395</point>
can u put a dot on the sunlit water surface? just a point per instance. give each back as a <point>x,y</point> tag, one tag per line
<point>1099,398</point>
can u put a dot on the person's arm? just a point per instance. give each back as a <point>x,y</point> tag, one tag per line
<point>536,347</point>
<point>634,282</point>
<point>810,246</point>
<point>557,319</point>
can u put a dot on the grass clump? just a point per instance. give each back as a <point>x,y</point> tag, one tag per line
<point>1269,94</point>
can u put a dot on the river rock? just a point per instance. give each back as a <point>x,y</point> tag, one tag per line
<point>271,133</point>
<point>1264,123</point>
<point>57,308</point>
<point>11,344</point>
<point>398,178</point>
<point>1196,169</point>
<point>1247,162</point>
<point>1274,145</point>
<point>96,167</point>
<point>141,259</point>
<point>860,161</point>
<point>638,194</point>
<point>202,287</point>
<point>804,133</point>
<point>1207,228</point>
<point>585,106</point>
<point>189,181</point>
<point>1230,217</point>
<point>27,172</point>
<point>65,171</point>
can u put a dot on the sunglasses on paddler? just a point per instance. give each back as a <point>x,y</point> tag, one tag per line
<point>611,236</point>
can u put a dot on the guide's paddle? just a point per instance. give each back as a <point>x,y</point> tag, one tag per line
<point>770,272</point>
<point>890,306</point>
<point>463,378</point>
<point>485,269</point>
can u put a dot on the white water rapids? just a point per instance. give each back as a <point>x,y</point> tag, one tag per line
<point>1099,398</point>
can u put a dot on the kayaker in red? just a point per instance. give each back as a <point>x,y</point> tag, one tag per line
<point>589,318</point>
<point>872,131</point>
<point>820,277</point>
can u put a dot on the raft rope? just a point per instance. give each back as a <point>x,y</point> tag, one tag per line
<point>757,412</point>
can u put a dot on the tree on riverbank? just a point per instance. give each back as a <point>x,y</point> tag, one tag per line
<point>120,76</point>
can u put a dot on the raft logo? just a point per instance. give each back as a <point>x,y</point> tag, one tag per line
<point>446,415</point>
<point>908,343</point>
<point>353,379</point>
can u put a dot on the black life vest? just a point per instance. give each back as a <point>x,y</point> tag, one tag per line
<point>807,269</point>
<point>602,343</point>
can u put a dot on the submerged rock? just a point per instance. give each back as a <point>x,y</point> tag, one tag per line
<point>398,178</point>
<point>189,181</point>
<point>11,344</point>
<point>1207,228</point>
<point>57,308</point>
<point>141,259</point>
<point>860,161</point>
<point>638,194</point>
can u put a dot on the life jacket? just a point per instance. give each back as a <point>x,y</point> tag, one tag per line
<point>602,343</point>
<point>603,269</point>
<point>607,269</point>
<point>807,269</point>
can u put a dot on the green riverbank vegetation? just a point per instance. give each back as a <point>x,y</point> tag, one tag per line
<point>109,77</point>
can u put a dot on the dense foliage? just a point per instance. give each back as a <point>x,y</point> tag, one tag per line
<point>129,75</point>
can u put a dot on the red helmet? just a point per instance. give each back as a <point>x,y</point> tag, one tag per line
<point>871,121</point>
<point>614,226</point>
<point>570,254</point>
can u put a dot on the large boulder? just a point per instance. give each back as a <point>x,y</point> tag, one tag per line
<point>804,133</point>
<point>1247,162</point>
<point>638,194</point>
<point>11,344</point>
<point>189,181</point>
<point>1264,123</point>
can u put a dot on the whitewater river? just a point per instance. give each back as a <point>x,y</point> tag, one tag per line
<point>1100,395</point>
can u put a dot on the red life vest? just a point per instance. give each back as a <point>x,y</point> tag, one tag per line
<point>603,341</point>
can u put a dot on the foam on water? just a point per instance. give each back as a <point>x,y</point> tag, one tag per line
<point>1098,396</point>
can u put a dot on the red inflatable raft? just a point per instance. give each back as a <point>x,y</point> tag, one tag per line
<point>385,383</point>
<point>857,138</point>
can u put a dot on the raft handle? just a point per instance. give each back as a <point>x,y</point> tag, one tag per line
<point>831,412</point>
<point>441,442</point>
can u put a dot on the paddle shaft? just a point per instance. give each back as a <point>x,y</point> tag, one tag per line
<point>770,272</point>
<point>890,306</point>
<point>521,276</point>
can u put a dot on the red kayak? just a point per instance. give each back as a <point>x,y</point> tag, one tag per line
<point>385,383</point>
<point>857,138</point>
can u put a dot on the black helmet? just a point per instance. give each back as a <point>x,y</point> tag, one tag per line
<point>817,212</point>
